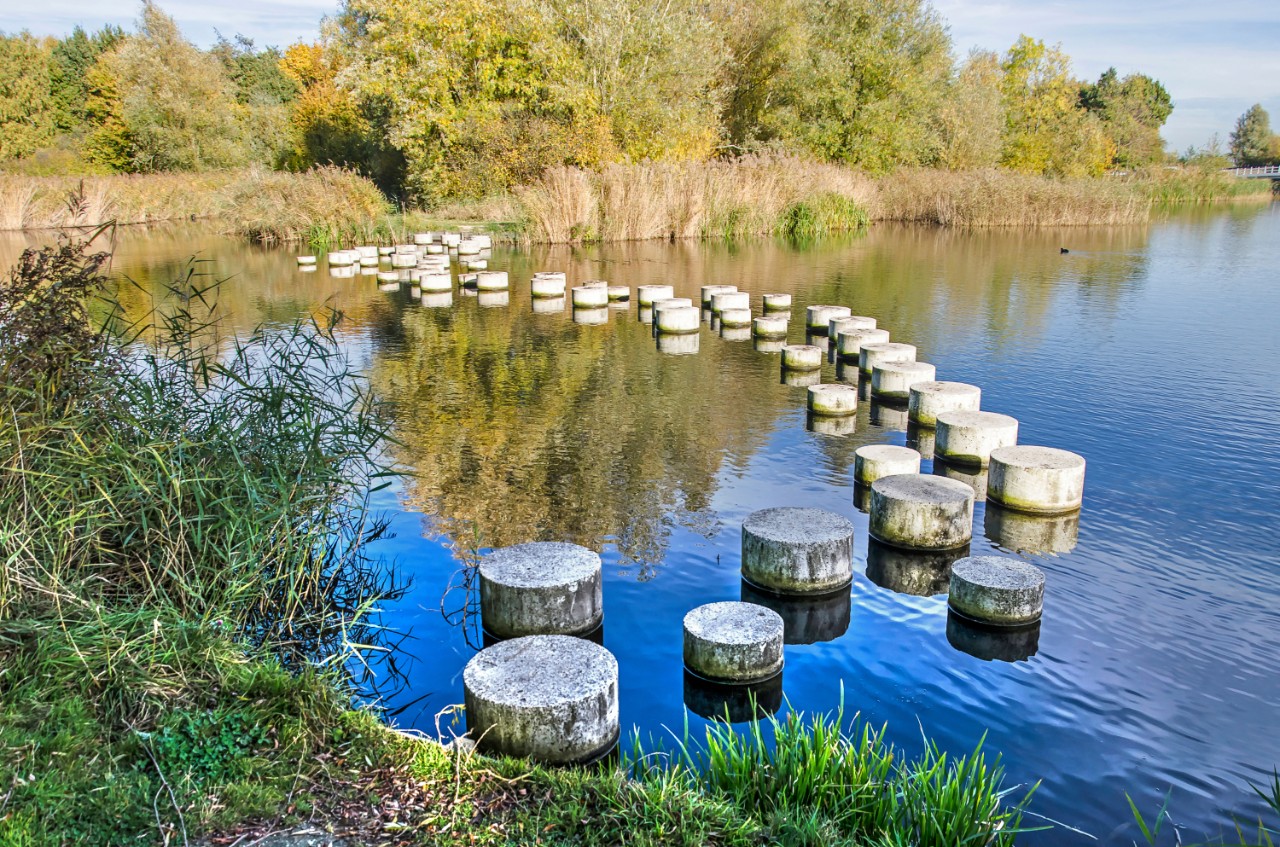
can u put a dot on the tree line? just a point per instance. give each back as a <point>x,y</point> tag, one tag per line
<point>435,99</point>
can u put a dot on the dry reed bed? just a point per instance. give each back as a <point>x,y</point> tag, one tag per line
<point>265,205</point>
<point>748,196</point>
<point>1002,198</point>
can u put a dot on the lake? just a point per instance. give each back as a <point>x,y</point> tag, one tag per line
<point>1152,351</point>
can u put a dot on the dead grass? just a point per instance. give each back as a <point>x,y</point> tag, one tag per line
<point>753,195</point>
<point>993,198</point>
<point>265,205</point>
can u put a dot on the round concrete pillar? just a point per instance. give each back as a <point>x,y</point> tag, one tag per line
<point>967,438</point>
<point>870,355</point>
<point>647,295</point>
<point>996,590</point>
<point>1036,480</point>
<point>733,642</point>
<point>769,327</point>
<point>873,461</point>
<point>892,381</point>
<point>817,319</point>
<point>793,550</point>
<point>550,698</point>
<point>833,400</point>
<point>802,357</point>
<point>926,400</point>
<point>849,342</point>
<point>921,512</point>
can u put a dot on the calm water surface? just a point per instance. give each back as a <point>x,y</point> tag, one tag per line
<point>1151,351</point>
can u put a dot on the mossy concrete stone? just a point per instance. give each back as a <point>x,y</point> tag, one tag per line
<point>735,318</point>
<point>769,327</point>
<point>541,588</point>
<point>550,698</point>
<point>967,438</point>
<point>590,297</point>
<point>893,380</point>
<point>733,642</point>
<point>776,302</point>
<point>873,461</point>
<point>792,550</point>
<point>818,318</point>
<point>802,357</point>
<point>730,300</point>
<point>835,400</point>
<point>619,294</point>
<point>660,305</point>
<point>678,320</point>
<point>849,341</point>
<point>709,291</point>
<point>548,286</point>
<point>997,590</point>
<point>927,400</point>
<point>849,323</point>
<point>1036,480</point>
<point>921,512</point>
<point>647,295</point>
<point>492,281</point>
<point>870,355</point>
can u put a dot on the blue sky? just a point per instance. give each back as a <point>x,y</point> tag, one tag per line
<point>1215,58</point>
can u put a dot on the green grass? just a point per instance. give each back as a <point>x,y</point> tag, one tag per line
<point>1196,186</point>
<point>823,214</point>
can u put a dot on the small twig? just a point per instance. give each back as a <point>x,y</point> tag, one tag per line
<point>146,746</point>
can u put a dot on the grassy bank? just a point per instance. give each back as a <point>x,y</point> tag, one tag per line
<point>263,205</point>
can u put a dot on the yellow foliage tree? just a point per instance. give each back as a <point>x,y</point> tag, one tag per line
<point>1046,130</point>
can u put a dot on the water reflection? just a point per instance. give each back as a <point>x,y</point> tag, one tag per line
<point>989,644</point>
<point>733,703</point>
<point>921,439</point>
<point>493,299</point>
<point>809,619</point>
<point>770,345</point>
<point>910,572</point>
<point>549,305</point>
<point>887,416</point>
<point>800,379</point>
<point>972,476</point>
<point>679,345</point>
<point>828,425</point>
<point>735,333</point>
<point>1019,533</point>
<point>591,317</point>
<point>862,497</point>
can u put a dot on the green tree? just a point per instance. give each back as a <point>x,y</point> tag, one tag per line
<point>174,101</point>
<point>863,83</point>
<point>264,93</point>
<point>72,58</point>
<point>1132,111</point>
<point>1046,131</point>
<point>1250,142</point>
<point>971,116</point>
<point>26,108</point>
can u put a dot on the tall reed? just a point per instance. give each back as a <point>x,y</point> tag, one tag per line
<point>160,465</point>
<point>260,204</point>
<point>754,195</point>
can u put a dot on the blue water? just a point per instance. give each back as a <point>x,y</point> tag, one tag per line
<point>1152,351</point>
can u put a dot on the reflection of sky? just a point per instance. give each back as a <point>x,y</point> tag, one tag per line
<point>1216,59</point>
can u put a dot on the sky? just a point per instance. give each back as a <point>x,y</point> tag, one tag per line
<point>1216,59</point>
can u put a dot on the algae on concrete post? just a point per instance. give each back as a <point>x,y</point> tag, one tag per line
<point>849,342</point>
<point>967,438</point>
<point>733,642</point>
<point>776,302</point>
<point>541,588</point>
<point>892,381</point>
<point>927,400</point>
<point>794,550</point>
<point>1037,480</point>
<point>873,461</point>
<point>996,590</point>
<point>551,698</point>
<point>818,318</point>
<point>870,355</point>
<point>833,399</point>
<point>802,357</point>
<point>921,512</point>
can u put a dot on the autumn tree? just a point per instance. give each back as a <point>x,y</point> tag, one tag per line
<point>70,62</point>
<point>1250,142</point>
<point>1132,111</point>
<point>1045,129</point>
<point>27,115</point>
